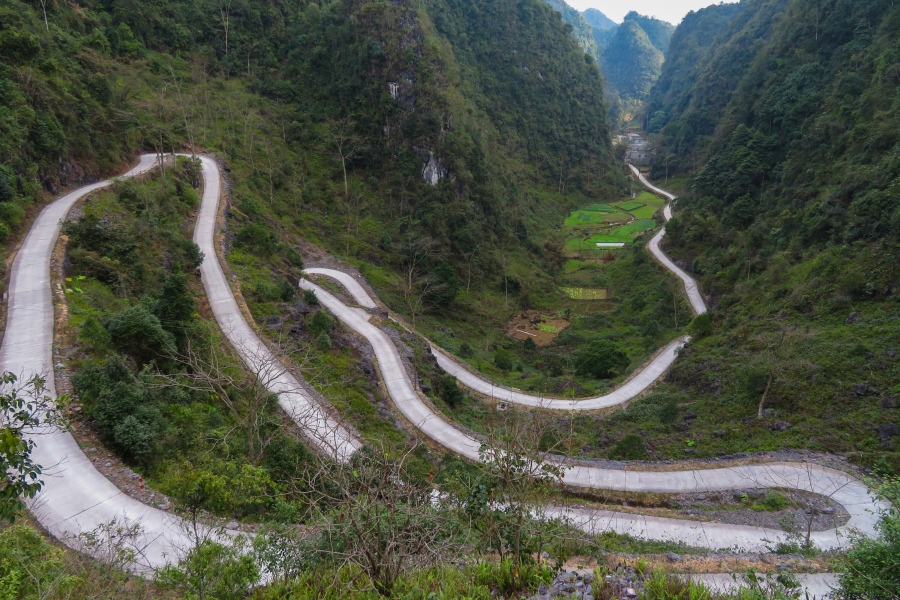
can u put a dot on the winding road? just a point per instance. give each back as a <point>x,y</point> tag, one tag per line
<point>77,498</point>
<point>635,386</point>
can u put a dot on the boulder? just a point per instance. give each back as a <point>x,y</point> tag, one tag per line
<point>860,389</point>
<point>888,402</point>
<point>719,432</point>
<point>887,431</point>
<point>781,426</point>
<point>853,318</point>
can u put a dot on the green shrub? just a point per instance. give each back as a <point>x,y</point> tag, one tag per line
<point>668,413</point>
<point>309,297</point>
<point>138,333</point>
<point>323,341</point>
<point>870,566</point>
<point>287,291</point>
<point>293,256</point>
<point>529,344</point>
<point>256,239</point>
<point>701,326</point>
<point>449,391</point>
<point>630,448</point>
<point>266,290</point>
<point>601,360</point>
<point>503,360</point>
<point>92,332</point>
<point>7,192</point>
<point>772,501</point>
<point>174,305</point>
<point>508,579</point>
<point>4,232</point>
<point>465,351</point>
<point>321,323</point>
<point>12,214</point>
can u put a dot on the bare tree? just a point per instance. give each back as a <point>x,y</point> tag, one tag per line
<point>352,205</point>
<point>246,391</point>
<point>776,353</point>
<point>372,514</point>
<point>417,283</point>
<point>224,7</point>
<point>347,143</point>
<point>517,481</point>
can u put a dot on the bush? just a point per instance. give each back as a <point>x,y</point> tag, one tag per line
<point>309,297</point>
<point>7,193</point>
<point>293,256</point>
<point>601,359</point>
<point>287,291</point>
<point>266,290</point>
<point>465,351</point>
<point>174,305</point>
<point>321,323</point>
<point>701,326</point>
<point>668,414</point>
<point>138,333</point>
<point>630,448</point>
<point>256,239</point>
<point>449,391</point>
<point>323,342</point>
<point>503,360</point>
<point>135,437</point>
<point>92,332</point>
<point>529,345</point>
<point>12,214</point>
<point>4,232</point>
<point>870,565</point>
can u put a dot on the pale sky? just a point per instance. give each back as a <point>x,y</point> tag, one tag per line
<point>667,10</point>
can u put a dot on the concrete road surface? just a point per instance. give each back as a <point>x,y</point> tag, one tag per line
<point>842,488</point>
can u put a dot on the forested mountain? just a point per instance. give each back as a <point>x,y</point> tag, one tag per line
<point>602,26</point>
<point>597,19</point>
<point>460,102</point>
<point>631,62</point>
<point>630,55</point>
<point>786,114</point>
<point>582,31</point>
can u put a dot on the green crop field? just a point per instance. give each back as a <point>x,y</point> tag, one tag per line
<point>633,229</point>
<point>585,293</point>
<point>629,206</point>
<point>584,217</point>
<point>602,208</point>
<point>645,212</point>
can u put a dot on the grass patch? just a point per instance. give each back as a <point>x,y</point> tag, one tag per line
<point>586,293</point>
<point>629,206</point>
<point>645,212</point>
<point>634,228</point>
<point>603,208</point>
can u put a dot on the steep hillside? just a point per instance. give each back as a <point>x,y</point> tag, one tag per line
<point>687,55</point>
<point>658,31</point>
<point>631,54</point>
<point>602,26</point>
<point>790,127</point>
<point>631,62</point>
<point>582,31</point>
<point>597,19</point>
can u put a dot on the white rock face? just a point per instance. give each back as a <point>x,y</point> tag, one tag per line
<point>433,171</point>
<point>394,88</point>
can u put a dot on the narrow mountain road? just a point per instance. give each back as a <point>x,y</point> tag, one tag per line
<point>76,497</point>
<point>632,388</point>
<point>323,430</point>
<point>840,487</point>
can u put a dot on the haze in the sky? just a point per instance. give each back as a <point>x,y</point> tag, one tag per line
<point>667,10</point>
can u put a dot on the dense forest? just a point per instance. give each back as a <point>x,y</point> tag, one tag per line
<point>630,54</point>
<point>784,113</point>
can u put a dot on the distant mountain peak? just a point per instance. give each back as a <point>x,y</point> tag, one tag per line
<point>597,19</point>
